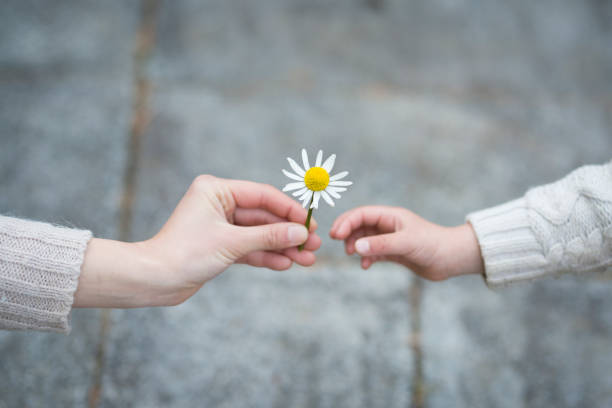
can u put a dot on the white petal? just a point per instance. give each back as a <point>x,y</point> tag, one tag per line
<point>315,201</point>
<point>327,198</point>
<point>329,163</point>
<point>306,198</point>
<point>305,159</point>
<point>332,193</point>
<point>339,176</point>
<point>294,186</point>
<point>340,183</point>
<point>335,189</point>
<point>300,192</point>
<point>298,170</point>
<point>293,176</point>
<point>319,158</point>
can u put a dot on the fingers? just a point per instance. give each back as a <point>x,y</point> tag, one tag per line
<point>304,258</point>
<point>380,245</point>
<point>279,262</point>
<point>313,242</point>
<point>381,217</point>
<point>252,195</point>
<point>268,237</point>
<point>370,232</point>
<point>271,260</point>
<point>255,217</point>
<point>349,243</point>
<point>262,211</point>
<point>258,217</point>
<point>249,217</point>
<point>366,262</point>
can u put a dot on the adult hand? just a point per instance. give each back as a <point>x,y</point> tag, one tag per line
<point>217,223</point>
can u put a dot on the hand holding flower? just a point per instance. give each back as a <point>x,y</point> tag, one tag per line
<point>217,223</point>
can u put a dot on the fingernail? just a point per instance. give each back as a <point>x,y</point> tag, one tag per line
<point>362,246</point>
<point>297,234</point>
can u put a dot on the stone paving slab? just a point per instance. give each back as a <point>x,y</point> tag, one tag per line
<point>540,345</point>
<point>347,42</point>
<point>74,38</point>
<point>330,337</point>
<point>65,97</point>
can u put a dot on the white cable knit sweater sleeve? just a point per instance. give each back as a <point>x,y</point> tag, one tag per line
<point>561,227</point>
<point>39,270</point>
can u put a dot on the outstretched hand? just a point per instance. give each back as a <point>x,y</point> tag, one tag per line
<point>381,233</point>
<point>217,223</point>
<point>220,222</point>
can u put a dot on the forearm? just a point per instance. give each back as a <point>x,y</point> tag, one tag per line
<point>124,275</point>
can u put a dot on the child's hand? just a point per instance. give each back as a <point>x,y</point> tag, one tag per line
<point>217,223</point>
<point>380,233</point>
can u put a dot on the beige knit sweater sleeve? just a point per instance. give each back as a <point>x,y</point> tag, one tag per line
<point>39,270</point>
<point>561,227</point>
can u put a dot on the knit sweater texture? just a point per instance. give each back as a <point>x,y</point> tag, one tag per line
<point>561,227</point>
<point>39,270</point>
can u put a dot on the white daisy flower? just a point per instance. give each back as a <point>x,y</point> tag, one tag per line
<point>312,183</point>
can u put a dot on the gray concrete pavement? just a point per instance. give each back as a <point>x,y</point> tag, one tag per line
<point>65,96</point>
<point>331,336</point>
<point>443,107</point>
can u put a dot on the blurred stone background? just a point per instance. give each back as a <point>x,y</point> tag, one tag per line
<point>109,109</point>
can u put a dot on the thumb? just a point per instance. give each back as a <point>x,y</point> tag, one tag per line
<point>270,237</point>
<point>384,244</point>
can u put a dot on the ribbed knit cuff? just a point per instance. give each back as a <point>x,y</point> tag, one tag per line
<point>39,270</point>
<point>509,248</point>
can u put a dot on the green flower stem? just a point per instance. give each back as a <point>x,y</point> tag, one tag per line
<point>307,225</point>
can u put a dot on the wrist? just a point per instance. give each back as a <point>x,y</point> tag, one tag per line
<point>124,275</point>
<point>464,251</point>
<point>166,278</point>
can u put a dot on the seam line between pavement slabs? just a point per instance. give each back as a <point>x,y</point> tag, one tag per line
<point>144,43</point>
<point>415,293</point>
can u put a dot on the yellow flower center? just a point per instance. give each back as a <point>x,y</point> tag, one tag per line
<point>316,179</point>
